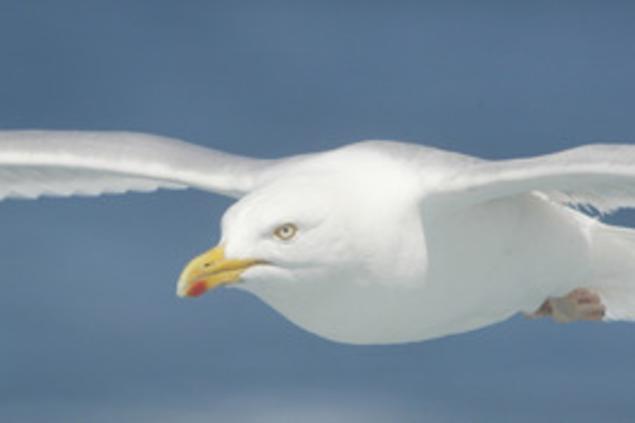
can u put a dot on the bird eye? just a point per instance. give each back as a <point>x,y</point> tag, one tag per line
<point>285,232</point>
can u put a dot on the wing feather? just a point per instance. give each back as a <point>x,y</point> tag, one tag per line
<point>83,163</point>
<point>600,177</point>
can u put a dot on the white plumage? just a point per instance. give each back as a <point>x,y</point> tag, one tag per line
<point>387,242</point>
<point>65,163</point>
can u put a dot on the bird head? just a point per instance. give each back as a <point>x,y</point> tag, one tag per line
<point>285,233</point>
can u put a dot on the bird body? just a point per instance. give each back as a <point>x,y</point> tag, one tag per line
<point>376,242</point>
<point>425,275</point>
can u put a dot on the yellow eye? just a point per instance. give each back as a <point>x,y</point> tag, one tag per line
<point>285,232</point>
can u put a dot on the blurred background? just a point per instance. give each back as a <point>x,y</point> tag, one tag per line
<point>90,327</point>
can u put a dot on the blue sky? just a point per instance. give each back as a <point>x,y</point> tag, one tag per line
<point>90,327</point>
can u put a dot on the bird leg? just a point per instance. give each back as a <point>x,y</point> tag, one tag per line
<point>579,304</point>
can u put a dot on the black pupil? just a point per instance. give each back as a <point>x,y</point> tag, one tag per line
<point>286,231</point>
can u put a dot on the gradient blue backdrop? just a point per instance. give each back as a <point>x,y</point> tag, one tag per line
<point>90,328</point>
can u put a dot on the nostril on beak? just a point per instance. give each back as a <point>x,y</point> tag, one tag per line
<point>208,264</point>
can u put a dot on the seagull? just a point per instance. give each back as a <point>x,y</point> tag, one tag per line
<point>376,242</point>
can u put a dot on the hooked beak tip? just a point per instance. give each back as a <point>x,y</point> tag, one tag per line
<point>184,288</point>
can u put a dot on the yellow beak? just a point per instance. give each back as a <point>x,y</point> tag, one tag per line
<point>210,270</point>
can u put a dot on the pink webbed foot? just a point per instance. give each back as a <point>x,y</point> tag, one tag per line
<point>579,304</point>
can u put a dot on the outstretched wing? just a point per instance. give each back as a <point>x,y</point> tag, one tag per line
<point>600,177</point>
<point>66,163</point>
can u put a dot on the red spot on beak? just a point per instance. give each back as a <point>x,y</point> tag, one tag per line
<point>197,289</point>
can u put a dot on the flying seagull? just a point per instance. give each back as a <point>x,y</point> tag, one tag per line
<point>376,242</point>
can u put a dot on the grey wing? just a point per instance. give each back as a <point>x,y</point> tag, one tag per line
<point>66,163</point>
